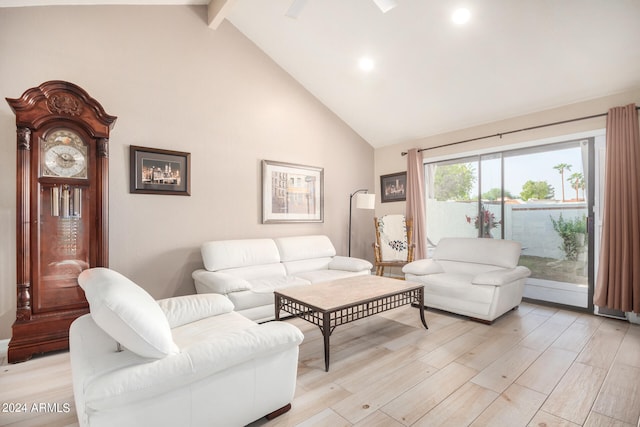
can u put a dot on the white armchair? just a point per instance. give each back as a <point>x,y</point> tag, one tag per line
<point>478,278</point>
<point>188,361</point>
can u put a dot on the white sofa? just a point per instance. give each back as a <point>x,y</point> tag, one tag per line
<point>478,278</point>
<point>184,361</point>
<point>247,271</point>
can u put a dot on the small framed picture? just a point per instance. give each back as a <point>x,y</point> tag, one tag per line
<point>157,171</point>
<point>393,187</point>
<point>291,193</point>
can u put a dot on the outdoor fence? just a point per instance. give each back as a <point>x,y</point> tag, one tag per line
<point>528,223</point>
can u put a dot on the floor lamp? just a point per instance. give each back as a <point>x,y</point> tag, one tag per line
<point>364,200</point>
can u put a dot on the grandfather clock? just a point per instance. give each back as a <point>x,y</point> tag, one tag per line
<point>62,211</point>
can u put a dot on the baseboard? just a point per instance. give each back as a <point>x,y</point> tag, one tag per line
<point>4,347</point>
<point>635,319</point>
<point>557,292</point>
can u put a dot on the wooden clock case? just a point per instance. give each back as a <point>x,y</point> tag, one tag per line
<point>48,295</point>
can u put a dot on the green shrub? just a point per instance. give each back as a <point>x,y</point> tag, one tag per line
<point>568,232</point>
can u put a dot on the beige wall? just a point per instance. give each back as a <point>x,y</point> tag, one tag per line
<point>176,84</point>
<point>389,159</point>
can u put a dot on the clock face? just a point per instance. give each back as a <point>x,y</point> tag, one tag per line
<point>64,155</point>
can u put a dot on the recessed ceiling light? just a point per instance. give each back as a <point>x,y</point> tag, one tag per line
<point>385,5</point>
<point>366,64</point>
<point>461,16</point>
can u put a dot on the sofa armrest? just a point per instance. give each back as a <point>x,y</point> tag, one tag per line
<point>502,276</point>
<point>190,308</point>
<point>422,267</point>
<point>349,264</point>
<point>218,283</point>
<point>142,381</point>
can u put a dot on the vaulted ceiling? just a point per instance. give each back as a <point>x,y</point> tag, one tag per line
<point>428,74</point>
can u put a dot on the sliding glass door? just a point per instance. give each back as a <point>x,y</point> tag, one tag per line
<point>452,202</point>
<point>552,219</point>
<point>539,196</point>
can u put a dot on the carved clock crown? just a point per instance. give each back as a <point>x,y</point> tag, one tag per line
<point>57,100</point>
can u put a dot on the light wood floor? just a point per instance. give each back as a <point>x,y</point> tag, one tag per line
<point>535,366</point>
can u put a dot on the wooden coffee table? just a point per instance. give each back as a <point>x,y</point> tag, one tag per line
<point>341,301</point>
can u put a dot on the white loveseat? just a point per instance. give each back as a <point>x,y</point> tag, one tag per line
<point>183,361</point>
<point>478,278</point>
<point>247,271</point>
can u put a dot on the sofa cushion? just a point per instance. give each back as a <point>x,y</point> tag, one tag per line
<point>294,268</point>
<point>127,313</point>
<point>253,272</point>
<point>456,286</point>
<point>270,284</point>
<point>502,253</point>
<point>422,266</point>
<point>319,276</point>
<point>304,247</point>
<point>210,328</point>
<point>261,292</point>
<point>501,276</point>
<point>470,268</point>
<point>216,282</point>
<point>190,308</point>
<point>223,254</point>
<point>349,264</point>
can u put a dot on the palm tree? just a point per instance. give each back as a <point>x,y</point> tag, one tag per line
<point>577,182</point>
<point>561,168</point>
<point>583,187</point>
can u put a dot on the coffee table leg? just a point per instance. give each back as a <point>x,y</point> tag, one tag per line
<point>421,307</point>
<point>326,332</point>
<point>277,304</point>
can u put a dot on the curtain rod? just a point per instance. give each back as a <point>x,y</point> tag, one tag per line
<point>404,153</point>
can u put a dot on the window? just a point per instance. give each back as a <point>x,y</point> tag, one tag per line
<point>537,196</point>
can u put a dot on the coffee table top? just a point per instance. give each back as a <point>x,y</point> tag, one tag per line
<point>349,291</point>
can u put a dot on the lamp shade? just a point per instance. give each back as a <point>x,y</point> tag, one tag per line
<point>365,201</point>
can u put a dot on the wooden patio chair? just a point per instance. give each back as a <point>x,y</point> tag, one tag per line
<point>394,245</point>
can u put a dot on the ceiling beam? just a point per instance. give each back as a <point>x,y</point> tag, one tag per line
<point>217,11</point>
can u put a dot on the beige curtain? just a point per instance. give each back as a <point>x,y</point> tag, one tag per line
<point>618,282</point>
<point>415,202</point>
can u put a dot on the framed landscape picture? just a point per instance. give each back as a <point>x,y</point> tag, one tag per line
<point>393,187</point>
<point>291,193</point>
<point>156,171</point>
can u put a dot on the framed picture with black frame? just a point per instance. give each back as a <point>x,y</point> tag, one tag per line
<point>157,171</point>
<point>393,187</point>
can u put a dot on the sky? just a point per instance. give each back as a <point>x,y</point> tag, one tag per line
<point>535,167</point>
